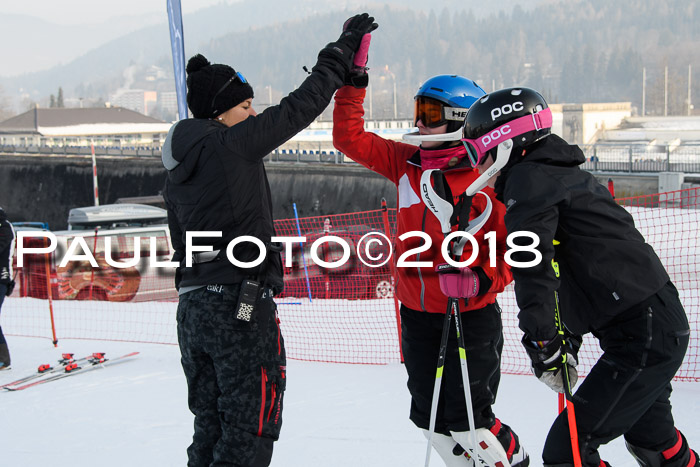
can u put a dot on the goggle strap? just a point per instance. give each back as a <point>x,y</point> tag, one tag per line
<point>526,123</point>
<point>542,119</point>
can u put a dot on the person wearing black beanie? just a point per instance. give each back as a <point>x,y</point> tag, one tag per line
<point>232,349</point>
<point>214,89</point>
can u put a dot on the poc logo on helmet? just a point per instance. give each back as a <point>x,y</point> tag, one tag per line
<point>506,109</point>
<point>495,135</point>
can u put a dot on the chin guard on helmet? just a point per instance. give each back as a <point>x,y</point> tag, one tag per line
<point>416,137</point>
<point>502,156</point>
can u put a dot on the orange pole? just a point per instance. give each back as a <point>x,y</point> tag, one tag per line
<point>573,432</point>
<point>48,293</point>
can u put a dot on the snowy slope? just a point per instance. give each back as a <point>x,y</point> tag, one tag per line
<point>135,414</point>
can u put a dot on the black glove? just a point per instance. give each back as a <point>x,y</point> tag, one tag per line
<point>10,288</point>
<point>354,30</point>
<point>548,359</point>
<point>351,38</point>
<point>358,77</point>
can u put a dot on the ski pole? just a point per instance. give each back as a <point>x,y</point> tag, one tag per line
<point>465,375</point>
<point>440,202</point>
<point>438,381</point>
<point>571,416</point>
<point>303,257</point>
<point>442,209</point>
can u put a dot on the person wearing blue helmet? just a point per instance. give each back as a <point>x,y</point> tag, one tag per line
<point>440,107</point>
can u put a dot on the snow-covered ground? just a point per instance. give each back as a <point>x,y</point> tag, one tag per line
<point>135,414</point>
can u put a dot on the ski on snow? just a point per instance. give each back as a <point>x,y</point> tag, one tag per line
<point>79,366</point>
<point>46,368</point>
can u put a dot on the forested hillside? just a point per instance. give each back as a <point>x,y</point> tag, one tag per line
<point>572,50</point>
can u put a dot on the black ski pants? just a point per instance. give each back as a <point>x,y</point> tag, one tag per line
<point>236,377</point>
<point>3,292</point>
<point>483,336</point>
<point>627,391</point>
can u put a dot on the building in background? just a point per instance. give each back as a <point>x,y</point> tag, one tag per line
<point>167,103</point>
<point>138,100</point>
<point>673,131</point>
<point>105,126</point>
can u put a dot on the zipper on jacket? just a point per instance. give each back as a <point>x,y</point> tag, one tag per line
<point>420,275</point>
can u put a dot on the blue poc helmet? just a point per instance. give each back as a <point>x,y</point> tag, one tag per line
<point>444,99</point>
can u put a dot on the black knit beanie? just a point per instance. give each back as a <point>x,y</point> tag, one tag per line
<point>205,80</point>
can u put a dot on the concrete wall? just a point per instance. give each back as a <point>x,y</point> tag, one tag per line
<point>44,188</point>
<point>630,185</point>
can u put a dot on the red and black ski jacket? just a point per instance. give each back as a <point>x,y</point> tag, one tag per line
<point>418,288</point>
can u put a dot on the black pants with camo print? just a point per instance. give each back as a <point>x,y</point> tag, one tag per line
<point>236,376</point>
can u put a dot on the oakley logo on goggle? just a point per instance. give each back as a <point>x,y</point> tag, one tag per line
<point>505,110</point>
<point>495,135</point>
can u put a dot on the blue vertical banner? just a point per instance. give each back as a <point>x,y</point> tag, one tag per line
<point>177,43</point>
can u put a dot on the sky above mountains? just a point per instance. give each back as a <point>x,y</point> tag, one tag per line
<point>62,31</point>
<point>76,12</point>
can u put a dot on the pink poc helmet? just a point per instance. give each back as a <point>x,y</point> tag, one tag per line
<point>503,120</point>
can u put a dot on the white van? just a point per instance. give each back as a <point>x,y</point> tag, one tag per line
<point>114,216</point>
<point>122,224</point>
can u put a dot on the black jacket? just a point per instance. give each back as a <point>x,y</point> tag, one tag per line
<point>605,264</point>
<point>7,235</point>
<point>217,181</point>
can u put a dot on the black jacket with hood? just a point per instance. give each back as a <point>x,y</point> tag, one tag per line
<point>606,267</point>
<point>217,181</point>
<point>7,236</point>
